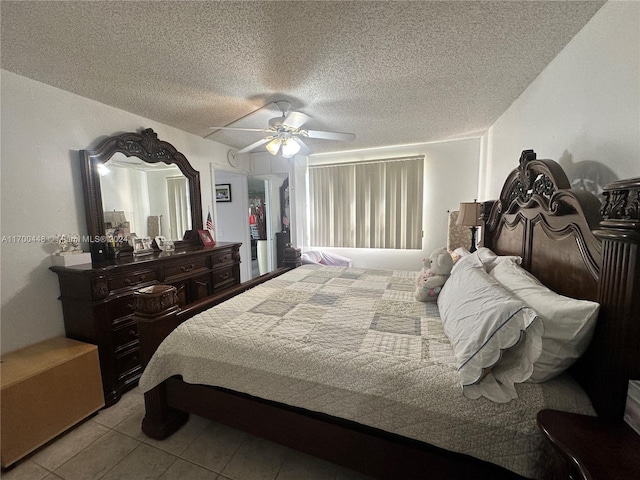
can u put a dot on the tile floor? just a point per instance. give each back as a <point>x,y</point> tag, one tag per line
<point>111,446</point>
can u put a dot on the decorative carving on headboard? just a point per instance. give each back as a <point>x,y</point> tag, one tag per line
<point>534,180</point>
<point>621,201</point>
<point>535,193</point>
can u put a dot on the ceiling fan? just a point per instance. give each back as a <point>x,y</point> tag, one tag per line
<point>285,133</point>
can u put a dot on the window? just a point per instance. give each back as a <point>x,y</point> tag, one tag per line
<point>179,214</point>
<point>373,204</point>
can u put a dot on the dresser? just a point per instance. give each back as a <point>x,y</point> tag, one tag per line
<point>97,301</point>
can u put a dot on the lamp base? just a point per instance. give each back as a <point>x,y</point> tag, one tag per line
<point>473,239</point>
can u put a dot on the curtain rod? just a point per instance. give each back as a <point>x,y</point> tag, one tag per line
<point>363,162</point>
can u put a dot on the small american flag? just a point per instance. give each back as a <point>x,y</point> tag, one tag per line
<point>209,222</point>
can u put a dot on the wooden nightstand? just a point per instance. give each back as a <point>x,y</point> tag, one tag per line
<point>592,449</point>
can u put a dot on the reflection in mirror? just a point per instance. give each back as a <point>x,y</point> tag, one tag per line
<point>146,199</point>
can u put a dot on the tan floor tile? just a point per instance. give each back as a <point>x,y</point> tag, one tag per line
<point>132,425</point>
<point>180,440</point>
<point>214,447</point>
<point>25,470</point>
<point>144,463</point>
<point>128,404</point>
<point>346,474</point>
<point>69,444</point>
<point>97,459</point>
<point>298,466</point>
<point>256,459</point>
<point>182,470</point>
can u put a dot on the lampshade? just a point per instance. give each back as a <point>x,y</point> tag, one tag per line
<point>273,146</point>
<point>469,215</point>
<point>290,147</point>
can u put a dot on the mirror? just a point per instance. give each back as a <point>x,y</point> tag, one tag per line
<point>146,199</point>
<point>135,183</point>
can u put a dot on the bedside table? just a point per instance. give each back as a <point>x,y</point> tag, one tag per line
<point>592,449</point>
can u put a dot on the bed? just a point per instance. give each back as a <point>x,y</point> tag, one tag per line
<point>359,391</point>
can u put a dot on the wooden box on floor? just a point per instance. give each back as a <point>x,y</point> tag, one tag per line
<point>46,389</point>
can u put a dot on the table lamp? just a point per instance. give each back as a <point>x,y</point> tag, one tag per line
<point>469,216</point>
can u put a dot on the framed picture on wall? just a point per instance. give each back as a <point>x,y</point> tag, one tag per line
<point>223,192</point>
<point>207,239</point>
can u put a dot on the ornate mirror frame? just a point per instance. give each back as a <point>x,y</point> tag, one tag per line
<point>145,146</point>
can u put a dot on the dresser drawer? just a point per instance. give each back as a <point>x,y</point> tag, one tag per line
<point>125,334</point>
<point>223,278</point>
<point>132,280</point>
<point>178,270</point>
<point>221,258</point>
<point>121,307</point>
<point>128,361</point>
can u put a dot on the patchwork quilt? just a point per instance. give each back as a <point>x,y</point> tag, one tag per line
<point>354,343</point>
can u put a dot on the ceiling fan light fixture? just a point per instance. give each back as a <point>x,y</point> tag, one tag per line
<point>290,147</point>
<point>273,146</point>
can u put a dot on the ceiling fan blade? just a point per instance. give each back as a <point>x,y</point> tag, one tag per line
<point>304,150</point>
<point>329,135</point>
<point>242,129</point>
<point>295,119</point>
<point>255,145</point>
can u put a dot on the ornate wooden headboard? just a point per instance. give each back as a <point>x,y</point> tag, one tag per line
<point>582,248</point>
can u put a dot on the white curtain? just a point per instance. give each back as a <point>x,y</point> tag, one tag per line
<point>376,204</point>
<point>179,210</point>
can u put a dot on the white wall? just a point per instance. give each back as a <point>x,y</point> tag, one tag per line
<point>584,107</point>
<point>43,128</point>
<point>232,218</point>
<point>450,177</point>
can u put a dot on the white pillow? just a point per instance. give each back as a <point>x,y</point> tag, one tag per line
<point>490,259</point>
<point>482,320</point>
<point>568,323</point>
<point>487,257</point>
<point>458,254</point>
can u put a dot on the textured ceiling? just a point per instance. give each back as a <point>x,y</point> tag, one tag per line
<point>391,72</point>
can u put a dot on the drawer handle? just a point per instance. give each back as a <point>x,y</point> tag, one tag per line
<point>130,306</point>
<point>224,276</point>
<point>222,259</point>
<point>187,269</point>
<point>133,333</point>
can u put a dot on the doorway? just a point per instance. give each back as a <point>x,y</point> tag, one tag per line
<point>232,218</point>
<point>269,222</point>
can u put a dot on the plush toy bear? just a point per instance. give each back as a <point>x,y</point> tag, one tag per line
<point>435,272</point>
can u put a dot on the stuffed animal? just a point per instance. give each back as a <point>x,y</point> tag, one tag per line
<point>435,272</point>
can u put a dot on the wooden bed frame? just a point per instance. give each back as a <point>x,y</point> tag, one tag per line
<point>575,244</point>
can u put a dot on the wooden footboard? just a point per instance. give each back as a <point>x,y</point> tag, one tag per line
<point>365,449</point>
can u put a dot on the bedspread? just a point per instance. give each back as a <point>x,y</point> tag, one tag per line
<point>354,343</point>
